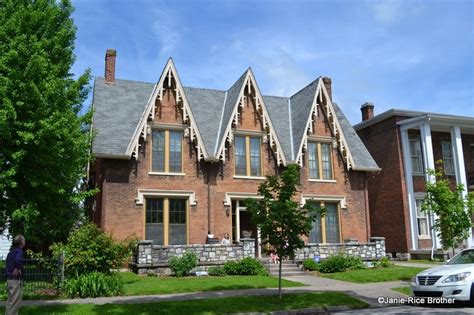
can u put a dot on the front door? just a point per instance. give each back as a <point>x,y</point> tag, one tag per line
<point>242,226</point>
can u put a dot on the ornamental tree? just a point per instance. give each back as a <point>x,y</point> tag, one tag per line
<point>453,223</point>
<point>279,217</point>
<point>44,141</point>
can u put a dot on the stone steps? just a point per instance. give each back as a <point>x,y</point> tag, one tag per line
<point>288,268</point>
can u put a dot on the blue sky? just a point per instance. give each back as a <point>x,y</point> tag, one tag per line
<point>411,54</point>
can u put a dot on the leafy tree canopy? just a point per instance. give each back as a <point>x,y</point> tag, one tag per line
<point>44,142</point>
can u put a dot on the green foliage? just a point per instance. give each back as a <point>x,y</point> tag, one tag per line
<point>216,271</point>
<point>232,268</point>
<point>453,223</point>
<point>339,263</point>
<point>89,249</point>
<point>310,264</point>
<point>44,140</point>
<point>385,262</point>
<point>92,285</point>
<point>182,266</point>
<point>246,267</point>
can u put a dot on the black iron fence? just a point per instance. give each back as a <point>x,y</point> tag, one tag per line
<point>40,276</point>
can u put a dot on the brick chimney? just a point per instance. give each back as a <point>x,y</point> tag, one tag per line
<point>110,65</point>
<point>367,110</point>
<point>327,83</point>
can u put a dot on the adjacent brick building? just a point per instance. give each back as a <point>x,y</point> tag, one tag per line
<point>404,144</point>
<point>174,162</point>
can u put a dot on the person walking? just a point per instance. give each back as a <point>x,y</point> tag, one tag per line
<point>14,270</point>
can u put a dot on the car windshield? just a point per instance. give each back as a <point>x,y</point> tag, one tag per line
<point>464,257</point>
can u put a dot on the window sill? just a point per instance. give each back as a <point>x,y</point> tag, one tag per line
<point>166,174</point>
<point>322,180</point>
<point>418,174</point>
<point>424,237</point>
<point>249,177</point>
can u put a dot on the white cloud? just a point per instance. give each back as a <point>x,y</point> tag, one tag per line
<point>167,29</point>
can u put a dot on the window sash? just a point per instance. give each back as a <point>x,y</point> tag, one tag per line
<point>166,221</point>
<point>326,160</point>
<point>422,219</point>
<point>240,156</point>
<point>416,158</point>
<point>326,229</point>
<point>313,160</point>
<point>255,159</point>
<point>448,160</point>
<point>320,161</point>
<point>167,151</point>
<point>158,151</point>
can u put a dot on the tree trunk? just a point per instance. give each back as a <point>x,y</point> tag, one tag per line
<point>279,278</point>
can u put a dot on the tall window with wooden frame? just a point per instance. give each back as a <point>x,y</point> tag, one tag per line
<point>326,229</point>
<point>248,156</point>
<point>448,161</point>
<point>166,221</point>
<point>422,219</point>
<point>320,161</point>
<point>167,151</point>
<point>416,157</point>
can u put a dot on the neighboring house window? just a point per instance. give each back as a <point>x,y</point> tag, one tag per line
<point>167,151</point>
<point>326,229</point>
<point>166,221</point>
<point>320,161</point>
<point>422,219</point>
<point>448,161</point>
<point>248,160</point>
<point>416,157</point>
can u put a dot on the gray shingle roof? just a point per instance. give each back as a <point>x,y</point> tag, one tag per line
<point>362,158</point>
<point>300,110</point>
<point>118,108</point>
<point>206,106</point>
<point>277,108</point>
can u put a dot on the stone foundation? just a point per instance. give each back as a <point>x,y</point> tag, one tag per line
<point>373,250</point>
<point>151,258</point>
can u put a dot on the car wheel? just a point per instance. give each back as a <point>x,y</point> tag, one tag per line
<point>471,299</point>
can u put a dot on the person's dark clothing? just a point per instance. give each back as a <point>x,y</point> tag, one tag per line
<point>14,265</point>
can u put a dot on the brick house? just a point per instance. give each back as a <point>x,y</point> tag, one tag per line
<point>174,162</point>
<point>404,144</point>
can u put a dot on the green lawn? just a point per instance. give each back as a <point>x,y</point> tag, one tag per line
<point>404,290</point>
<point>143,285</point>
<point>208,306</point>
<point>139,285</point>
<point>368,275</point>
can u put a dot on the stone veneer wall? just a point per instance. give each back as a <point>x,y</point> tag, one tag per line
<point>373,250</point>
<point>155,258</point>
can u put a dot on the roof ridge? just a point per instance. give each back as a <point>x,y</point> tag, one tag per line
<point>124,80</point>
<point>207,89</point>
<point>276,96</point>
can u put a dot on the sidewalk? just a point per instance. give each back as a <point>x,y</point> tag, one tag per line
<point>366,292</point>
<point>415,264</point>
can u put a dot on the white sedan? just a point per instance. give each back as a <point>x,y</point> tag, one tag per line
<point>452,280</point>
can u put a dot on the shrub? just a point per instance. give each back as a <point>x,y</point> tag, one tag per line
<point>354,263</point>
<point>216,271</point>
<point>385,262</point>
<point>89,249</point>
<point>232,268</point>
<point>182,266</point>
<point>252,266</point>
<point>339,263</point>
<point>94,284</point>
<point>247,266</point>
<point>310,264</point>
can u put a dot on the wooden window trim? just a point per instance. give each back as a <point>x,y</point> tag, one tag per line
<point>166,221</point>
<point>323,222</point>
<point>167,153</point>
<point>247,136</point>
<point>320,162</point>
